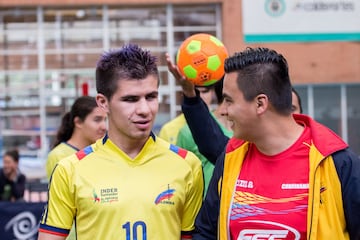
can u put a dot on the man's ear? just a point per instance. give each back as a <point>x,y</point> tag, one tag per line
<point>262,103</point>
<point>102,102</point>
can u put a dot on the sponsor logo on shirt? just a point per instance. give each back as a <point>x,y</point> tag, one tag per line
<point>295,186</point>
<point>165,196</point>
<point>95,196</point>
<point>250,184</point>
<point>274,231</point>
<point>106,195</point>
<point>244,183</point>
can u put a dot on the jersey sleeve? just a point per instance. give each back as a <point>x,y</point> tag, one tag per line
<point>59,212</point>
<point>194,194</point>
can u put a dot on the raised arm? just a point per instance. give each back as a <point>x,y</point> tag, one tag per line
<point>206,132</point>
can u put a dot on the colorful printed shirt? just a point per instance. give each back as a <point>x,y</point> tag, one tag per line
<point>269,203</point>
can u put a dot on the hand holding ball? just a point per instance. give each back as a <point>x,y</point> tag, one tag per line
<point>200,59</point>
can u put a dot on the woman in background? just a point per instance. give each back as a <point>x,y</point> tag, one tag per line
<point>80,127</point>
<point>12,181</point>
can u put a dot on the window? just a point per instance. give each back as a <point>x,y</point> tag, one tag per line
<point>48,53</point>
<point>335,106</point>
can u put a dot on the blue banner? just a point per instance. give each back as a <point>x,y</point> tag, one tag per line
<point>20,220</point>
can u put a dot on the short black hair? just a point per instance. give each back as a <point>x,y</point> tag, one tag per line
<point>13,153</point>
<point>262,71</point>
<point>219,90</point>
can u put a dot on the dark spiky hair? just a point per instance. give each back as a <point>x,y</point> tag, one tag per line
<point>129,62</point>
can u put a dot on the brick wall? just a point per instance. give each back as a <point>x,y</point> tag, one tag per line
<point>330,62</point>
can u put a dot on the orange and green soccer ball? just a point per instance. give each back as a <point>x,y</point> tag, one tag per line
<point>200,59</point>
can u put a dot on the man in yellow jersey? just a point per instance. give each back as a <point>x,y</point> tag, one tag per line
<point>130,184</point>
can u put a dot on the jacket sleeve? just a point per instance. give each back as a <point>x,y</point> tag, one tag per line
<point>347,165</point>
<point>206,132</point>
<point>206,222</point>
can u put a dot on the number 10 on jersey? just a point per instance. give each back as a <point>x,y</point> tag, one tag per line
<point>134,230</point>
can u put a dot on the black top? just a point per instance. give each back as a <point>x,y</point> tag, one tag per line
<point>12,189</point>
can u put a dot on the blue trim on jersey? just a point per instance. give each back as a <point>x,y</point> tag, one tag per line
<point>45,213</point>
<point>153,136</point>
<point>105,138</point>
<point>88,150</point>
<point>178,150</point>
<point>174,148</point>
<point>50,229</point>
<point>84,152</point>
<point>71,146</point>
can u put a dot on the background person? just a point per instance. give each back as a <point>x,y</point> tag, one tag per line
<point>80,127</point>
<point>170,130</point>
<point>296,106</point>
<point>130,184</point>
<point>12,181</point>
<point>279,169</point>
<point>185,138</point>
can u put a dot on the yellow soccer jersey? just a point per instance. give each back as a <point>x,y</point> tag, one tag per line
<point>156,195</point>
<point>59,152</point>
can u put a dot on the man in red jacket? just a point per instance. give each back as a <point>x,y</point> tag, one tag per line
<point>288,177</point>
